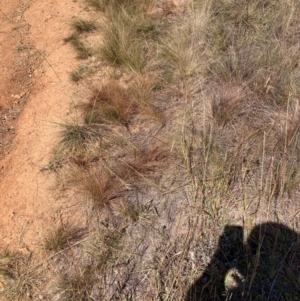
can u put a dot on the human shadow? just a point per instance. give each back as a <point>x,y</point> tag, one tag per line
<point>265,267</point>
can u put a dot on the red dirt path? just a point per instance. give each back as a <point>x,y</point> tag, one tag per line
<point>35,92</point>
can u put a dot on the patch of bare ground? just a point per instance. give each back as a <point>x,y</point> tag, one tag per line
<point>37,74</point>
<point>18,62</point>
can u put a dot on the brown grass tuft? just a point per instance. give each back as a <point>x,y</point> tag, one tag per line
<point>18,276</point>
<point>112,103</point>
<point>146,164</point>
<point>59,237</point>
<point>96,185</point>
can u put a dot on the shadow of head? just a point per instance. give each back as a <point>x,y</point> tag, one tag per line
<point>268,264</point>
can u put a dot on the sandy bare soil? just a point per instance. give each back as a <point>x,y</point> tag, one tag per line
<point>35,93</point>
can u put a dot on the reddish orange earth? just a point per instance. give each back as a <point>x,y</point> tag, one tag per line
<point>35,93</point>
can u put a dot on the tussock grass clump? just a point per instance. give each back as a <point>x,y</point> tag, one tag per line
<point>184,52</point>
<point>111,103</point>
<point>146,164</point>
<point>98,4</point>
<point>81,26</point>
<point>110,5</point>
<point>83,281</point>
<point>60,237</point>
<point>124,35</point>
<point>114,103</point>
<point>96,185</point>
<point>18,277</point>
<point>226,104</point>
<point>143,89</point>
<point>75,137</point>
<point>76,285</point>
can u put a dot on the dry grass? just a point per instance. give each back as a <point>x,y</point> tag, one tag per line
<point>124,37</point>
<point>60,237</point>
<point>78,75</point>
<point>129,211</point>
<point>96,185</point>
<point>97,4</point>
<point>109,5</point>
<point>147,164</point>
<point>143,89</point>
<point>81,26</point>
<point>76,285</point>
<point>83,280</point>
<point>75,137</point>
<point>19,278</point>
<point>112,103</point>
<point>222,77</point>
<point>104,246</point>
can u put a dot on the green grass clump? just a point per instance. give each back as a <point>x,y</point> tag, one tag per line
<point>75,137</point>
<point>124,35</point>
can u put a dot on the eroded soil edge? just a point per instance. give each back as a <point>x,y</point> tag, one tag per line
<point>35,95</point>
